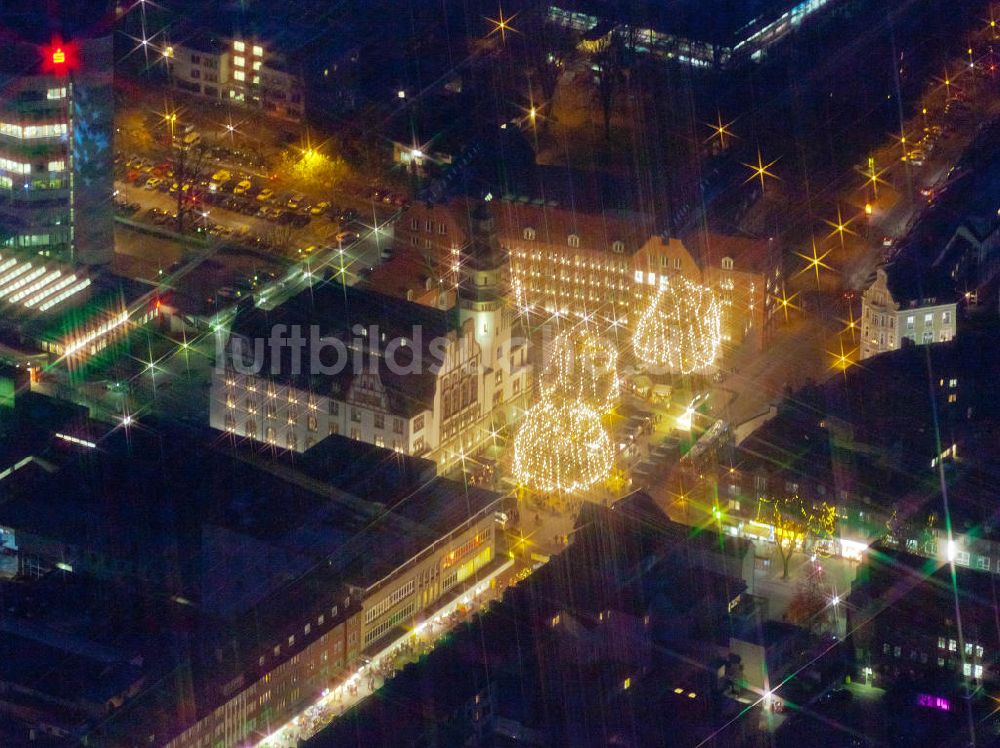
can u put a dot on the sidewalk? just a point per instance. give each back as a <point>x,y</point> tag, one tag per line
<point>366,680</point>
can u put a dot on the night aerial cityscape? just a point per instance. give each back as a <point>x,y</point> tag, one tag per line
<point>397,373</point>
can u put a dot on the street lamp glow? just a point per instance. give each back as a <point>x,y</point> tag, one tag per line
<point>761,170</point>
<point>814,262</point>
<point>501,25</point>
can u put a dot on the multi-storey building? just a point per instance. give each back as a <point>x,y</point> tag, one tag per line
<point>892,313</point>
<point>920,630</point>
<point>397,374</point>
<point>693,34</point>
<point>243,70</point>
<point>746,274</point>
<point>575,264</point>
<point>56,139</point>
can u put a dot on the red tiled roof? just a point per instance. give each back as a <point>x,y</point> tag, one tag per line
<point>406,271</point>
<point>554,225</point>
<point>747,253</point>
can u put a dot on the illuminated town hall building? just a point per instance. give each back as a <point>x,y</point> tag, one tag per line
<point>460,373</point>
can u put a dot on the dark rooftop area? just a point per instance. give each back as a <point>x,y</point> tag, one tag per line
<point>717,21</point>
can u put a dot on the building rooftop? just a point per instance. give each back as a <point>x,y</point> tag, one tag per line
<point>749,254</point>
<point>553,225</point>
<point>913,285</point>
<point>715,21</point>
<point>408,274</point>
<point>515,656</point>
<point>347,313</point>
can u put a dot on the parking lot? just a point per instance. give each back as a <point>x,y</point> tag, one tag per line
<point>239,205</point>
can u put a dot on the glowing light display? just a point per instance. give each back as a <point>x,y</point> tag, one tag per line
<point>681,329</point>
<point>584,367</point>
<point>59,57</point>
<point>561,446</point>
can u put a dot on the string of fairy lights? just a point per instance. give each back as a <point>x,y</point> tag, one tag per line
<point>562,445</point>
<point>681,329</point>
<point>583,366</point>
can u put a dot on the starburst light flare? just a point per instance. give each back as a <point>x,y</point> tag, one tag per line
<point>561,446</point>
<point>681,329</point>
<point>584,367</point>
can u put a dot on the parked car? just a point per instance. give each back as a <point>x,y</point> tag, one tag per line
<point>319,208</point>
<point>242,187</point>
<point>265,195</point>
<point>153,182</point>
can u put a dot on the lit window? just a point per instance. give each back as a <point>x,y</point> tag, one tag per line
<point>966,669</point>
<point>940,642</point>
<point>258,50</point>
<point>59,165</point>
<point>57,93</point>
<point>239,61</point>
<point>239,46</point>
<point>573,240</point>
<point>952,645</point>
<point>979,671</point>
<point>256,64</point>
<point>627,684</point>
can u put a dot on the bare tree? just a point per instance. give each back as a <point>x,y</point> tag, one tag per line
<point>609,62</point>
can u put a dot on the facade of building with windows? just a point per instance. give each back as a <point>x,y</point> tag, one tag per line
<point>242,70</point>
<point>918,633</point>
<point>567,263</point>
<point>888,319</point>
<point>56,131</point>
<point>455,375</point>
<point>285,572</point>
<point>694,35</point>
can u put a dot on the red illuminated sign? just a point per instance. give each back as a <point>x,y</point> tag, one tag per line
<point>59,57</point>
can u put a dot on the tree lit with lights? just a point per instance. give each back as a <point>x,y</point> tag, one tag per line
<point>562,446</point>
<point>681,329</point>
<point>584,367</point>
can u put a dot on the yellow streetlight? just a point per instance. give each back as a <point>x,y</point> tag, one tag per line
<point>760,170</point>
<point>868,209</point>
<point>840,227</point>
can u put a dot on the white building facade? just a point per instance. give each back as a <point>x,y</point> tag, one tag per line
<point>886,323</point>
<point>478,381</point>
<point>243,71</point>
